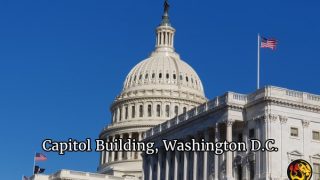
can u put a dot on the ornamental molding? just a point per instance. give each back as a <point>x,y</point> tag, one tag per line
<point>264,118</point>
<point>305,123</point>
<point>295,105</point>
<point>229,122</point>
<point>144,99</point>
<point>316,156</point>
<point>112,129</point>
<point>283,119</point>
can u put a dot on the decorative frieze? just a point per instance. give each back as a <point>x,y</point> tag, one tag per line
<point>283,119</point>
<point>305,123</point>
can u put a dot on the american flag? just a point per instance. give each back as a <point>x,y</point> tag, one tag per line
<point>268,43</point>
<point>40,157</point>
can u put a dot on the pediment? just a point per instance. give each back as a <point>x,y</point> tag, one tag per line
<point>316,156</point>
<point>295,153</point>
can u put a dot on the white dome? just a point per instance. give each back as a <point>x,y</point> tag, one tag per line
<point>164,71</point>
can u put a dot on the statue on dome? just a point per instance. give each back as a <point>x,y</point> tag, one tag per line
<point>166,7</point>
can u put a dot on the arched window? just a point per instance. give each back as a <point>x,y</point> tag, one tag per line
<point>140,110</point>
<point>149,110</point>
<point>126,112</point>
<point>167,110</point>
<point>176,110</point>
<point>184,109</point>
<point>133,112</point>
<point>115,116</point>
<point>158,110</point>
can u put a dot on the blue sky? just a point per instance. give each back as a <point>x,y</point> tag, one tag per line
<point>63,62</point>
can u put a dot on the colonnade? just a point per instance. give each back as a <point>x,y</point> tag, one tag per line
<point>183,165</point>
<point>116,156</point>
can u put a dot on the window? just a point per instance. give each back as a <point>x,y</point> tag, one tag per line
<point>187,79</point>
<point>146,77</point>
<point>174,76</point>
<point>160,75</point>
<point>251,133</point>
<point>176,110</point>
<point>167,76</point>
<point>135,77</point>
<point>149,110</point>
<point>126,112</point>
<point>167,110</point>
<point>120,118</point>
<point>316,171</point>
<point>294,132</point>
<point>184,109</point>
<point>158,110</point>
<point>115,115</point>
<point>153,75</point>
<point>140,110</point>
<point>133,112</point>
<point>316,135</point>
<point>140,77</point>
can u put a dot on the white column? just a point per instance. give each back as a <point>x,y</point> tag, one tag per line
<point>151,166</point>
<point>205,157</point>
<point>140,137</point>
<point>159,164</point>
<point>195,165</point>
<point>245,170</point>
<point>106,155</point>
<point>216,157</point>
<point>102,154</point>
<point>229,153</point>
<point>176,165</point>
<point>257,154</point>
<point>113,153</point>
<point>185,165</point>
<point>120,152</point>
<point>168,165</point>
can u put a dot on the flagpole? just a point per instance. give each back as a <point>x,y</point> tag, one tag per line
<point>258,63</point>
<point>34,163</point>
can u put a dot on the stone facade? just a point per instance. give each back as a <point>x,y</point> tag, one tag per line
<point>291,118</point>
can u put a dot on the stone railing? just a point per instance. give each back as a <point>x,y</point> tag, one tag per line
<point>241,100</point>
<point>66,174</point>
<point>285,94</point>
<point>228,98</point>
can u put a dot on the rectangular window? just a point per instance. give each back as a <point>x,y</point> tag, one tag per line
<point>126,112</point>
<point>316,171</point>
<point>316,135</point>
<point>133,112</point>
<point>294,132</point>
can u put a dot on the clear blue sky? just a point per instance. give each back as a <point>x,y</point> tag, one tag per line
<point>63,62</point>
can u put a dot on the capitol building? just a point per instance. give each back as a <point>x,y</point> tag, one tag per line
<point>163,98</point>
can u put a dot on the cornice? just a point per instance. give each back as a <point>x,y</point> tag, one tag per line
<point>155,98</point>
